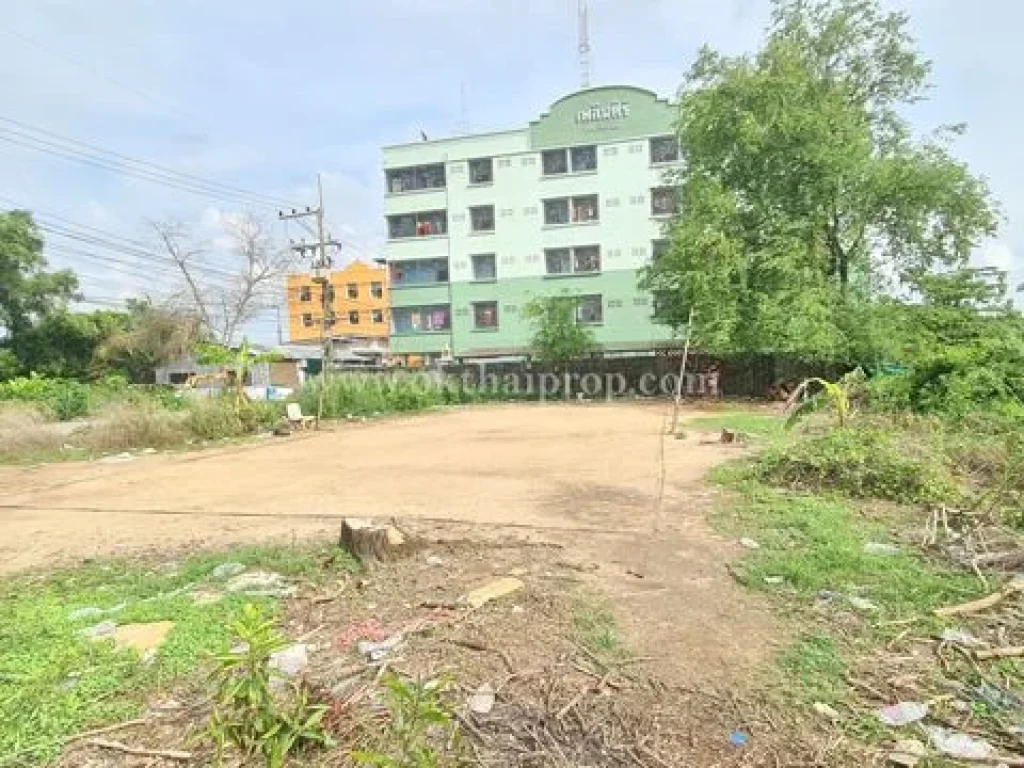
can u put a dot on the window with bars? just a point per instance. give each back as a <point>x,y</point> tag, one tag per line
<point>307,320</point>
<point>581,260</point>
<point>376,316</point>
<point>352,290</point>
<point>589,310</point>
<point>484,266</point>
<point>417,224</point>
<point>481,218</point>
<point>485,314</point>
<point>377,290</point>
<point>576,210</point>
<point>412,179</point>
<point>481,170</point>
<point>305,293</point>
<point>664,149</point>
<point>663,201</point>
<point>353,317</point>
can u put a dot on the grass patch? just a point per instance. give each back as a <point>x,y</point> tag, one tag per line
<point>54,682</point>
<point>759,424</point>
<point>815,669</point>
<point>816,543</point>
<point>594,627</point>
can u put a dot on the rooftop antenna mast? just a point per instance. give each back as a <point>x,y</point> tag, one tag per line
<point>584,46</point>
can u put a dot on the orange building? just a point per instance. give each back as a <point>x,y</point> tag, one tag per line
<point>360,304</point>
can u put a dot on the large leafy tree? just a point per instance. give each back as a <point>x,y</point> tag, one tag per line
<point>28,292</point>
<point>153,335</point>
<point>558,338</point>
<point>805,193</point>
<point>64,344</point>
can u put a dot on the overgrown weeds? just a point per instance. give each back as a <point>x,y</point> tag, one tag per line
<point>421,731</point>
<point>128,427</point>
<point>257,710</point>
<point>55,681</point>
<point>23,432</point>
<point>863,461</point>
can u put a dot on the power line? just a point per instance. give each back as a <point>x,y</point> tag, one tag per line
<point>269,200</point>
<point>69,153</point>
<point>85,67</point>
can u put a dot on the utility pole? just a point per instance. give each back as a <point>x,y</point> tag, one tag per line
<point>321,264</point>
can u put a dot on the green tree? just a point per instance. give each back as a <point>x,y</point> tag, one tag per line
<point>63,344</point>
<point>558,338</point>
<point>235,363</point>
<point>804,189</point>
<point>28,292</point>
<point>152,336</point>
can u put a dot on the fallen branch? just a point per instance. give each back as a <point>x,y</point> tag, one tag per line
<point>1009,652</point>
<point>107,729</point>
<point>169,754</point>
<point>981,604</point>
<point>474,645</point>
<point>596,688</point>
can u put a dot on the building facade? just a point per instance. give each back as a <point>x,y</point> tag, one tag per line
<point>360,306</point>
<point>574,204</point>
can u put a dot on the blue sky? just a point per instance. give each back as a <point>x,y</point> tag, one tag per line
<point>263,95</point>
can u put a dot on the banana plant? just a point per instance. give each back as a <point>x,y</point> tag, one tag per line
<point>831,394</point>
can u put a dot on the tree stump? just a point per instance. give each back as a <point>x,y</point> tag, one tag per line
<point>368,540</point>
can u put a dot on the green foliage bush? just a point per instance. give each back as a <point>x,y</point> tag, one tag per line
<point>64,399</point>
<point>373,394</point>
<point>863,461</point>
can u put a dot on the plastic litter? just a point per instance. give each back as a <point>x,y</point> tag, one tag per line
<point>227,570</point>
<point>959,745</point>
<point>960,637</point>
<point>825,710</point>
<point>862,604</point>
<point>377,651</point>
<point>482,702</point>
<point>738,739</point>
<point>878,548</point>
<point>904,713</point>
<point>290,661</point>
<point>103,629</point>
<point>749,544</point>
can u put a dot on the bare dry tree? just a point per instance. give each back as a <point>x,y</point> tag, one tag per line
<point>231,291</point>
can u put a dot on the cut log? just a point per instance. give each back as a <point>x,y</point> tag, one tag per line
<point>368,540</point>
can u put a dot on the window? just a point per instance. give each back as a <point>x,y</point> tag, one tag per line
<point>585,209</point>
<point>420,177</point>
<point>578,210</point>
<point>485,314</point>
<point>556,211</point>
<point>377,290</point>
<point>584,259</point>
<point>554,162</point>
<point>663,201</point>
<point>353,317</point>
<point>418,272</point>
<point>558,261</point>
<point>588,310</point>
<point>481,218</point>
<point>659,248</point>
<point>427,319</point>
<point>352,290</point>
<point>584,159</point>
<point>481,171</point>
<point>305,293</point>
<point>664,149</point>
<point>307,320</point>
<point>418,224</point>
<point>376,316</point>
<point>559,161</point>
<point>484,266</point>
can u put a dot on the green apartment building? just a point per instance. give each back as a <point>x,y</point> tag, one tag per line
<point>573,204</point>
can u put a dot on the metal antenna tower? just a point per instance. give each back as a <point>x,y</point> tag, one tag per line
<point>584,46</point>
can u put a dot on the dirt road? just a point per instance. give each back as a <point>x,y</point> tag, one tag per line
<point>585,476</point>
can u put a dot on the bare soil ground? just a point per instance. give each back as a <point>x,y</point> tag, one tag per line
<point>567,492</point>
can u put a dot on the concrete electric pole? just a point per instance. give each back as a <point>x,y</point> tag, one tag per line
<point>321,265</point>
